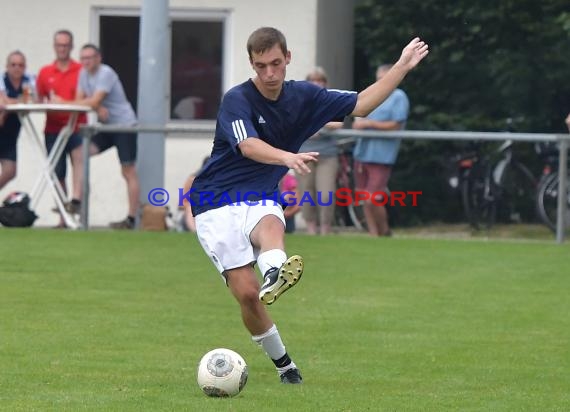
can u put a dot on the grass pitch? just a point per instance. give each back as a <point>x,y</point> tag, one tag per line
<point>105,321</point>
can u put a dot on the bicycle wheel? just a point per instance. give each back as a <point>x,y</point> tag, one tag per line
<point>351,214</point>
<point>517,188</point>
<point>547,201</point>
<point>341,213</point>
<point>478,195</point>
<point>357,218</point>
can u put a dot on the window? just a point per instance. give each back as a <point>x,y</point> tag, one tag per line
<point>196,74</point>
<point>196,58</point>
<point>119,43</point>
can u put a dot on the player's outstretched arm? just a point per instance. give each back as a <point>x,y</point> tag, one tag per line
<point>258,150</point>
<point>376,93</point>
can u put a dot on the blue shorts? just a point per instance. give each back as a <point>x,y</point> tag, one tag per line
<point>73,142</point>
<point>126,144</point>
<point>8,143</point>
<point>9,133</point>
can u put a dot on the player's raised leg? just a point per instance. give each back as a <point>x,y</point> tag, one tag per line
<point>279,273</point>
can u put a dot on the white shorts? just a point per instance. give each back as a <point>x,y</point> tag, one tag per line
<point>224,233</point>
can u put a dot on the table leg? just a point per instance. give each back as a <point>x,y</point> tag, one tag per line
<point>48,175</point>
<point>86,135</point>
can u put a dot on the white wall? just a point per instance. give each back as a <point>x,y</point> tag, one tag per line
<point>28,25</point>
<point>335,23</point>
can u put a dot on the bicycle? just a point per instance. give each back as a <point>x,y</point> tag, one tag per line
<point>462,177</point>
<point>493,183</point>
<point>547,192</point>
<point>352,214</point>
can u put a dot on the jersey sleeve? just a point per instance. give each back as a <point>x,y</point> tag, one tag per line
<point>333,104</point>
<point>235,119</point>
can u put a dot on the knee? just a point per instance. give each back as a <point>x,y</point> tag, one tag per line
<point>6,176</point>
<point>129,172</point>
<point>249,297</point>
<point>10,173</point>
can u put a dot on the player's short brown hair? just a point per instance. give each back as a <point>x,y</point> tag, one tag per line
<point>265,38</point>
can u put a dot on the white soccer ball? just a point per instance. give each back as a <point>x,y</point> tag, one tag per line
<point>222,373</point>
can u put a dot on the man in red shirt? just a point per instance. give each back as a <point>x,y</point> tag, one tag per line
<point>58,82</point>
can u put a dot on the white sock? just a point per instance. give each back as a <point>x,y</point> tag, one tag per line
<point>273,258</point>
<point>284,369</point>
<point>271,343</point>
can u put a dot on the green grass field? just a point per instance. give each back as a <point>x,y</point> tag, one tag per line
<point>104,321</point>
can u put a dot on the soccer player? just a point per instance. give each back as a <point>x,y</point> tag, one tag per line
<point>260,127</point>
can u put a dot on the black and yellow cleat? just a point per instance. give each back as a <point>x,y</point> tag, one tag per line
<point>277,281</point>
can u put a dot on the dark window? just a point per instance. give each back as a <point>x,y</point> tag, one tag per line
<point>195,67</point>
<point>196,74</point>
<point>119,43</point>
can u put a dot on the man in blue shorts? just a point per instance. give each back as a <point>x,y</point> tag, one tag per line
<point>100,88</point>
<point>260,128</point>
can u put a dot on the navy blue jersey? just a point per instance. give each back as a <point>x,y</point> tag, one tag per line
<point>301,110</point>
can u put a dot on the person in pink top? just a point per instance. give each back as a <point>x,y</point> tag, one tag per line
<point>290,195</point>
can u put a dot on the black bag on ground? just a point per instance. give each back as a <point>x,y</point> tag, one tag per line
<point>15,211</point>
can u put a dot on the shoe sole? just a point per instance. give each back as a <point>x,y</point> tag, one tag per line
<point>289,275</point>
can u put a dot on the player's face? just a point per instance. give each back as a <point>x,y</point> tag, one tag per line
<point>270,67</point>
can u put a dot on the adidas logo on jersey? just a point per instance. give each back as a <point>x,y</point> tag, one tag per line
<point>261,119</point>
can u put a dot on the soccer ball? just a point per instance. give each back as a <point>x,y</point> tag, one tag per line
<point>222,373</point>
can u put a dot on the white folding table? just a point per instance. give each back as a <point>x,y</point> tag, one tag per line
<point>47,174</point>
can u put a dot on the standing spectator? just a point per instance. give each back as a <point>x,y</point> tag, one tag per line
<point>57,82</point>
<point>101,89</point>
<point>12,86</point>
<point>374,158</point>
<point>321,183</point>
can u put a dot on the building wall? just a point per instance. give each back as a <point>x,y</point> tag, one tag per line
<point>29,25</point>
<point>334,42</point>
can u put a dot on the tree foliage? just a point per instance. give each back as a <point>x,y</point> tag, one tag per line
<point>488,61</point>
